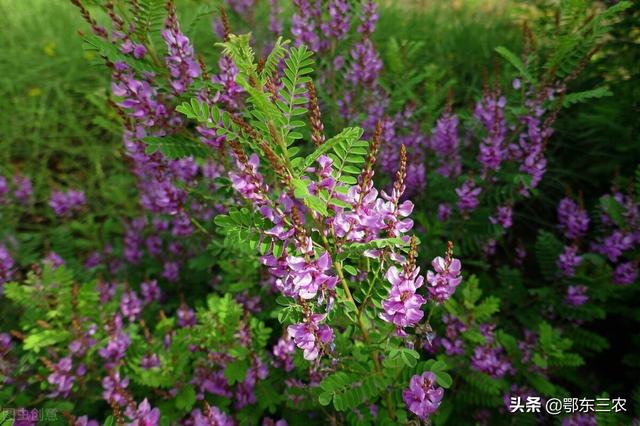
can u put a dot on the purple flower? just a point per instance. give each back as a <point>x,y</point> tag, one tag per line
<point>422,397</point>
<point>64,204</point>
<point>368,18</point>
<point>133,241</point>
<point>180,58</point>
<point>490,112</point>
<point>112,388</point>
<point>92,260</point>
<point>149,361</point>
<point>577,295</point>
<point>267,421</point>
<point>580,419</point>
<point>307,277</point>
<point>229,94</point>
<point>5,343</point>
<point>130,305</point>
<point>139,98</point>
<point>186,316</point>
<point>84,421</point>
<point>171,271</point>
<point>416,178</point>
<point>468,196</point>
<point>444,212</point>
<point>245,391</point>
<point>283,353</point>
<point>527,345</point>
<point>213,417</point>
<point>573,219</point>
<point>150,291</point>
<point>625,273</point>
<point>491,360</point>
<point>444,142</point>
<point>365,65</point>
<point>275,23</point>
<point>250,183</point>
<point>129,47</point>
<point>303,24</point>
<point>445,279</point>
<point>144,415</point>
<point>615,244</point>
<point>116,347</point>
<point>403,307</point>
<point>452,340</point>
<point>181,226</point>
<point>503,217</point>
<point>311,335</point>
<point>240,6</point>
<point>213,382</point>
<point>489,248</point>
<point>23,189</point>
<point>184,169</point>
<point>4,189</point>
<point>106,290</point>
<point>62,378</point>
<point>53,259</point>
<point>529,150</point>
<point>79,346</point>
<point>339,18</point>
<point>568,261</point>
<point>6,264</point>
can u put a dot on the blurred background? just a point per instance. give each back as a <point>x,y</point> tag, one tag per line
<point>56,124</point>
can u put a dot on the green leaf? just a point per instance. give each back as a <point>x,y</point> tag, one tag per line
<point>43,338</point>
<point>240,226</point>
<point>350,390</point>
<point>112,53</point>
<point>547,250</point>
<point>150,17</point>
<point>195,110</point>
<point>471,292</point>
<point>579,97</point>
<point>297,68</point>
<point>542,385</point>
<point>174,147</point>
<point>438,365</point>
<point>236,371</point>
<point>409,357</point>
<point>613,209</point>
<point>317,204</point>
<point>443,379</point>
<point>347,135</point>
<point>359,248</point>
<point>516,62</point>
<point>487,308</point>
<point>350,269</point>
<point>325,398</point>
<point>186,398</point>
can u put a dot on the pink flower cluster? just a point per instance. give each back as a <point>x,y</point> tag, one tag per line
<point>403,307</point>
<point>423,397</point>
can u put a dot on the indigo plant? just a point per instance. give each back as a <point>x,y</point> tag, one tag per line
<point>314,234</point>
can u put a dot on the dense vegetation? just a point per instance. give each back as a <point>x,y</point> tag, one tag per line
<point>319,212</point>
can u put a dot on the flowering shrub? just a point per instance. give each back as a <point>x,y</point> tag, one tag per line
<point>310,246</point>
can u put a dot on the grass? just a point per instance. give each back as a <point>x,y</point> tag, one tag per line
<point>458,41</point>
<point>53,93</point>
<point>46,83</point>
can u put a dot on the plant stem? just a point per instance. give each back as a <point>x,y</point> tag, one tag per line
<point>363,330</point>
